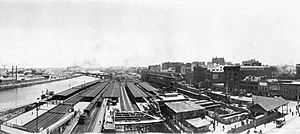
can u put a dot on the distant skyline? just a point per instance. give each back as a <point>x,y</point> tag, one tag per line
<point>105,33</point>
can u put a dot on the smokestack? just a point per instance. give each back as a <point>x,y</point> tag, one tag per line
<point>12,71</point>
<point>16,73</point>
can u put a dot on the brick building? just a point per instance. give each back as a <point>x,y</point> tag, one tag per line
<point>232,76</point>
<point>198,76</point>
<point>298,71</point>
<point>171,65</point>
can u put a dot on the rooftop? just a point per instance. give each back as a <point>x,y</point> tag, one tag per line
<point>136,91</point>
<point>170,98</point>
<point>241,98</point>
<point>198,122</point>
<point>148,87</point>
<point>183,106</point>
<point>269,103</point>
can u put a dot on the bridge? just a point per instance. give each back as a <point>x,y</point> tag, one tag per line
<point>97,74</point>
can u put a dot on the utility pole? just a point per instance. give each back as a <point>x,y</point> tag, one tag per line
<point>37,115</point>
<point>16,73</point>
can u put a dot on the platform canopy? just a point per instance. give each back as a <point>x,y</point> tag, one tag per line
<point>264,104</point>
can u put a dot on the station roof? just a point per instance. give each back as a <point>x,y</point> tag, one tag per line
<point>3,132</point>
<point>136,91</point>
<point>67,92</point>
<point>262,103</point>
<point>93,92</point>
<point>200,101</point>
<point>241,98</point>
<point>45,120</point>
<point>218,93</point>
<point>60,109</point>
<point>198,122</point>
<point>72,90</point>
<point>148,87</point>
<point>113,90</point>
<point>206,103</point>
<point>183,106</point>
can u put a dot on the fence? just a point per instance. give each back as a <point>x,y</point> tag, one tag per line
<point>258,122</point>
<point>229,119</point>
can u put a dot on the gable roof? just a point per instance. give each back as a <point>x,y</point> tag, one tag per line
<point>268,103</point>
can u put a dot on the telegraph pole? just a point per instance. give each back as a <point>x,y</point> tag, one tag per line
<point>16,73</point>
<point>37,116</point>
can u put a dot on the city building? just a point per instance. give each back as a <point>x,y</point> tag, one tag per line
<point>220,61</point>
<point>254,85</point>
<point>217,73</point>
<point>171,65</point>
<point>288,89</point>
<point>232,75</point>
<point>198,76</point>
<point>251,62</point>
<point>298,71</point>
<point>265,71</point>
<point>154,68</point>
<point>246,76</point>
<point>183,69</point>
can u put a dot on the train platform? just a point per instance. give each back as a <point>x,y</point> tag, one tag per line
<point>30,115</point>
<point>13,126</point>
<point>139,122</point>
<point>100,118</point>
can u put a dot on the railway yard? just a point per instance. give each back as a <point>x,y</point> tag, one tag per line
<point>111,106</point>
<point>124,104</point>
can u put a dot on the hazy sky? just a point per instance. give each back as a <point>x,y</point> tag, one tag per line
<point>139,32</point>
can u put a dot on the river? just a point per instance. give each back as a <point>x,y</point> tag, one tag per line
<point>12,98</point>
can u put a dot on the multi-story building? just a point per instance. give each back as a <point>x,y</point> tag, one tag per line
<point>232,76</point>
<point>220,61</point>
<point>298,71</point>
<point>171,65</point>
<point>258,71</point>
<point>183,69</point>
<point>198,76</point>
<point>198,63</point>
<point>288,89</point>
<point>217,73</point>
<point>251,62</point>
<point>236,74</point>
<point>254,85</point>
<point>154,68</point>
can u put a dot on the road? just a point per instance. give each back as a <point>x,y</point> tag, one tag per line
<point>292,124</point>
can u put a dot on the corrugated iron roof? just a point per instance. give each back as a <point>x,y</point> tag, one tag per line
<point>183,106</point>
<point>269,103</point>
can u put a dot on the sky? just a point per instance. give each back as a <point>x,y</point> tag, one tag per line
<point>53,33</point>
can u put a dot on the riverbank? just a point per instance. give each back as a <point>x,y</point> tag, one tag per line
<point>6,87</point>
